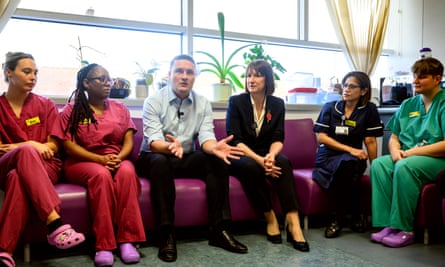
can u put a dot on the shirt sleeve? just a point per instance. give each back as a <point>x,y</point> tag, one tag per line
<point>58,130</point>
<point>323,122</point>
<point>206,131</point>
<point>53,117</point>
<point>151,118</point>
<point>374,126</point>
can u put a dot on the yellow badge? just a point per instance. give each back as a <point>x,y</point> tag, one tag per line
<point>85,121</point>
<point>32,121</point>
<point>350,123</point>
<point>414,114</point>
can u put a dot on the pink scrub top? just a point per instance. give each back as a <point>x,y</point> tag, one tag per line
<point>105,137</point>
<point>39,114</point>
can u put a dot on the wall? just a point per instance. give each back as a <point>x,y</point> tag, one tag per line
<point>404,34</point>
<point>434,27</point>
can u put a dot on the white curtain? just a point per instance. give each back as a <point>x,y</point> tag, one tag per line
<point>361,27</point>
<point>7,8</point>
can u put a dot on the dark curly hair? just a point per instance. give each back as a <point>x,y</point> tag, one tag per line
<point>81,110</point>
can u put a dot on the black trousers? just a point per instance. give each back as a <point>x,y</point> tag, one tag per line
<point>254,181</point>
<point>346,188</point>
<point>161,170</point>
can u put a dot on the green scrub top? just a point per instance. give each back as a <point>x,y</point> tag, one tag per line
<point>414,127</point>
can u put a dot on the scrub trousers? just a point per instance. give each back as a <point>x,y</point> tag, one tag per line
<point>27,180</point>
<point>113,201</point>
<point>396,188</point>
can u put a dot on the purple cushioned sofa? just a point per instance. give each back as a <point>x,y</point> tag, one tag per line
<point>191,207</point>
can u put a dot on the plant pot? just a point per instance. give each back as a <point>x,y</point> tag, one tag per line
<point>141,89</point>
<point>221,92</point>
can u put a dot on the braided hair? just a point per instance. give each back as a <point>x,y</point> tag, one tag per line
<point>81,112</point>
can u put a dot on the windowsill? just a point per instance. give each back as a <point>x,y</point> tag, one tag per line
<point>134,103</point>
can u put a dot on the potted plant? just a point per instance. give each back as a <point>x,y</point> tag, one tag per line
<point>228,80</point>
<point>257,52</point>
<point>79,50</point>
<point>146,79</point>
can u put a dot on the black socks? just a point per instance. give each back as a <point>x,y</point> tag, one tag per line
<point>52,226</point>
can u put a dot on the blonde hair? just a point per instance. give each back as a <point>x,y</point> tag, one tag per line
<point>12,59</point>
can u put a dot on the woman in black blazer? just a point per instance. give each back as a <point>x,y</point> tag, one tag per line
<point>256,120</point>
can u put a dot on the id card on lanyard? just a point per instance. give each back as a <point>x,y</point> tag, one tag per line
<point>343,129</point>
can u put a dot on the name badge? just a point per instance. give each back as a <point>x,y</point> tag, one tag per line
<point>414,114</point>
<point>350,123</point>
<point>85,121</point>
<point>341,130</point>
<point>32,121</point>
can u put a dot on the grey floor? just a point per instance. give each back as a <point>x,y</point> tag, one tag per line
<point>350,249</point>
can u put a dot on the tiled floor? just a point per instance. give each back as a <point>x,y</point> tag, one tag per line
<point>350,249</point>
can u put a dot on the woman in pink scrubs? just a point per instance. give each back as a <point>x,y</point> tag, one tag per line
<point>29,161</point>
<point>98,139</point>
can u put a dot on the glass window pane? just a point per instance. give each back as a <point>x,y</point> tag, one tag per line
<point>165,11</point>
<point>320,23</point>
<point>58,58</point>
<point>296,61</point>
<point>250,16</point>
<point>205,80</point>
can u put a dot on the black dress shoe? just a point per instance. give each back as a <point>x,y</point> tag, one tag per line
<point>302,246</point>
<point>225,240</point>
<point>333,230</point>
<point>167,249</point>
<point>275,239</point>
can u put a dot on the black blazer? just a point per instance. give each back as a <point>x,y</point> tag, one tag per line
<point>241,124</point>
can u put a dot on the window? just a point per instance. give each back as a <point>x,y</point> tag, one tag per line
<point>152,33</point>
<point>165,11</point>
<point>58,58</point>
<point>320,24</point>
<point>250,16</point>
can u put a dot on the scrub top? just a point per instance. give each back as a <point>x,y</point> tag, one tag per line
<point>363,122</point>
<point>415,127</point>
<point>105,137</point>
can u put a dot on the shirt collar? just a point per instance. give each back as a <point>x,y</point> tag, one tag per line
<point>340,106</point>
<point>174,98</point>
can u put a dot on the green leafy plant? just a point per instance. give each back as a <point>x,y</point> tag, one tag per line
<point>79,50</point>
<point>257,52</point>
<point>220,67</point>
<point>147,74</point>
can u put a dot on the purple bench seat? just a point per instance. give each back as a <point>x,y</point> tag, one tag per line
<point>191,206</point>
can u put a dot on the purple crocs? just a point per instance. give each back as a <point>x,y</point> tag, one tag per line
<point>377,237</point>
<point>103,258</point>
<point>398,240</point>
<point>129,254</point>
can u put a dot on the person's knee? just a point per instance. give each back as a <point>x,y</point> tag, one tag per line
<point>146,160</point>
<point>101,178</point>
<point>26,150</point>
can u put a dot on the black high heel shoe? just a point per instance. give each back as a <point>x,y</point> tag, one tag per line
<point>298,245</point>
<point>275,239</point>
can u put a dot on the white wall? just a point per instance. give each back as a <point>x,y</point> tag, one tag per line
<point>404,34</point>
<point>414,24</point>
<point>434,27</point>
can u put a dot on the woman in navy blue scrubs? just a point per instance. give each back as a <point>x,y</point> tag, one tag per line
<point>342,128</point>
